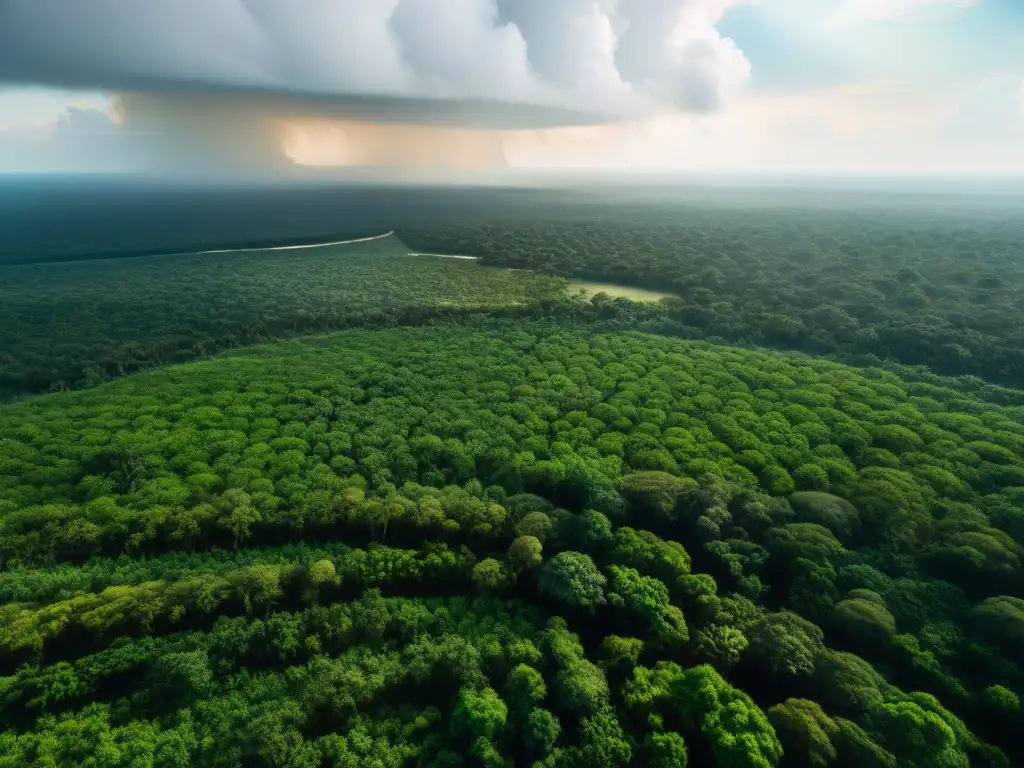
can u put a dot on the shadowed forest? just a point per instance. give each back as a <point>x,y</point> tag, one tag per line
<point>354,507</point>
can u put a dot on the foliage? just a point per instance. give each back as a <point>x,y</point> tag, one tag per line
<point>865,279</point>
<point>786,642</point>
<point>76,324</point>
<point>573,578</point>
<point>504,543</point>
<point>805,732</point>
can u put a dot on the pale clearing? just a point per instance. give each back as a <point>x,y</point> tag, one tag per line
<point>624,291</point>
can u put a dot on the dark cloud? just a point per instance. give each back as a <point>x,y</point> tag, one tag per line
<point>492,63</point>
<point>207,85</point>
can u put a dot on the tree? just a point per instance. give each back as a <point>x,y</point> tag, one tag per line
<point>322,572</point>
<point>699,594</point>
<point>847,684</point>
<point>786,642</point>
<point>481,715</point>
<point>603,741</point>
<point>918,737</point>
<point>184,676</point>
<point>810,477</point>
<point>524,553</point>
<point>572,578</point>
<point>1002,619</point>
<point>651,555</point>
<point>865,621</point>
<point>536,524</point>
<point>525,687</point>
<point>654,492</point>
<point>648,599</point>
<point>813,591</point>
<point>479,712</point>
<point>489,574</point>
<point>720,645</point>
<point>806,541</point>
<point>582,686</point>
<point>258,585</point>
<point>621,651</point>
<point>858,749</point>
<point>590,531</point>
<point>1001,699</point>
<point>776,480</point>
<point>804,731</point>
<point>541,731</point>
<point>828,510</point>
<point>665,750</point>
<point>739,732</point>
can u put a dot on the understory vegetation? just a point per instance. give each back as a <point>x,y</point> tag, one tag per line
<point>511,543</point>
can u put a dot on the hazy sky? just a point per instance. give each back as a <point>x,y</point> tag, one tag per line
<point>868,85</point>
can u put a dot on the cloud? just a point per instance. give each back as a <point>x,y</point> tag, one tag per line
<point>872,127</point>
<point>455,61</point>
<point>992,109</point>
<point>856,11</point>
<point>406,147</point>
<point>200,136</point>
<point>78,121</point>
<point>80,140</point>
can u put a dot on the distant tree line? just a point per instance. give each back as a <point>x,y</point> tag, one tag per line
<point>918,287</point>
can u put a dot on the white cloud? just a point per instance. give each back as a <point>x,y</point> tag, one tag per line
<point>875,127</point>
<point>23,107</point>
<point>218,78</point>
<point>881,126</point>
<point>634,57</point>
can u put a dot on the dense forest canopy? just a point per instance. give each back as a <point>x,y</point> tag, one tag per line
<point>71,325</point>
<point>511,541</point>
<point>494,522</point>
<point>921,287</point>
<point>885,280</point>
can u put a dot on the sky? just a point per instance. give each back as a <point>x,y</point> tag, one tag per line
<point>899,86</point>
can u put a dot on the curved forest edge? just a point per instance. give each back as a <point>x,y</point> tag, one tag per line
<point>919,292</point>
<point>512,542</point>
<point>73,325</point>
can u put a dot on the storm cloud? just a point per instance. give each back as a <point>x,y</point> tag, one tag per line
<point>208,85</point>
<point>490,63</point>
